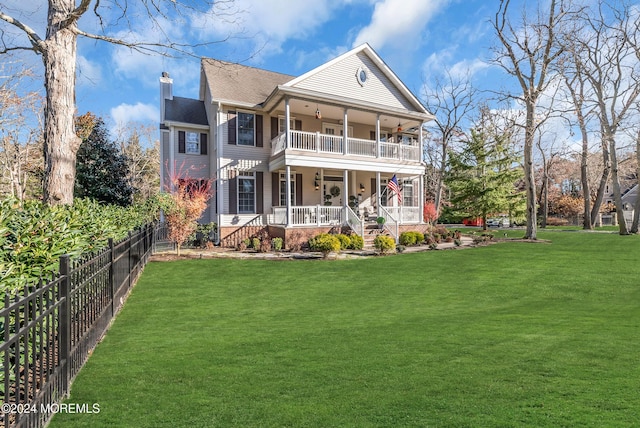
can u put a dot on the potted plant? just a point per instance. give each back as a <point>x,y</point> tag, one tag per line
<point>381,221</point>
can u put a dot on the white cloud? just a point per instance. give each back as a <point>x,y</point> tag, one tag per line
<point>126,113</point>
<point>88,73</point>
<point>267,23</point>
<point>399,23</point>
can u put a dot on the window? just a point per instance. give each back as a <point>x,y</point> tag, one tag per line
<point>246,193</point>
<point>281,121</point>
<point>193,143</point>
<point>283,189</point>
<point>408,193</point>
<point>335,129</point>
<point>384,200</point>
<point>246,129</point>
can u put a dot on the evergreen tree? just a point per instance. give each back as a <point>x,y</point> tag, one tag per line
<point>101,170</point>
<point>482,177</point>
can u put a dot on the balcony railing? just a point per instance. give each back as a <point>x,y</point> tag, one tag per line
<point>324,143</point>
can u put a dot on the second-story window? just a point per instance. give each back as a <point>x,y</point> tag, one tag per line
<point>246,129</point>
<point>193,143</point>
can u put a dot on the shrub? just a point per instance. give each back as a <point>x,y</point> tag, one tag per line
<point>433,245</point>
<point>457,242</point>
<point>384,244</point>
<point>324,243</point>
<point>255,243</point>
<point>345,241</point>
<point>400,248</point>
<point>357,242</point>
<point>265,245</point>
<point>407,238</point>
<point>411,238</point>
<point>277,243</point>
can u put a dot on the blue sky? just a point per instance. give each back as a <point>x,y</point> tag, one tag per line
<point>418,39</point>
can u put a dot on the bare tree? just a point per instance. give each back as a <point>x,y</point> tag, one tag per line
<point>526,53</point>
<point>142,150</point>
<point>608,55</point>
<point>20,135</point>
<point>451,101</point>
<point>57,48</point>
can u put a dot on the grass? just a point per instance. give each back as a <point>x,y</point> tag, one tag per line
<point>515,334</point>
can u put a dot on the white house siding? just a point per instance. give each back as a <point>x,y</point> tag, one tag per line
<point>244,158</point>
<point>340,80</point>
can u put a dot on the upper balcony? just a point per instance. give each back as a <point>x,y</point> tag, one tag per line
<point>407,150</point>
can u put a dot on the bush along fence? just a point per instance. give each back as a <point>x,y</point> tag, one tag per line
<point>48,329</point>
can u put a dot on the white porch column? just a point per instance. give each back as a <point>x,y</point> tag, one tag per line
<point>345,132</point>
<point>345,179</point>
<point>288,195</point>
<point>287,127</point>
<point>378,135</point>
<point>379,197</point>
<point>420,143</point>
<point>421,201</point>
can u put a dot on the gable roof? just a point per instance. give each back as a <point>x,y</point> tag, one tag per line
<point>185,110</point>
<point>240,84</point>
<point>364,51</point>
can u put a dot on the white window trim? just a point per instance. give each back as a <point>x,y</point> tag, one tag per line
<point>246,175</point>
<point>253,113</point>
<point>189,149</point>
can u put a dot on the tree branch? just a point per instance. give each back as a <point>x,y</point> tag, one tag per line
<point>36,41</point>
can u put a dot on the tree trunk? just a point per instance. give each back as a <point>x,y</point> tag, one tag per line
<point>617,195</point>
<point>587,223</point>
<point>529,175</point>
<point>636,205</point>
<point>606,170</point>
<point>60,140</point>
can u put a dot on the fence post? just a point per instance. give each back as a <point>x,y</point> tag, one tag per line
<point>129,257</point>
<point>65,323</point>
<point>112,277</point>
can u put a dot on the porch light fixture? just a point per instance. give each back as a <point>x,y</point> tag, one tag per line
<point>316,181</point>
<point>399,127</point>
<point>361,188</point>
<point>318,114</point>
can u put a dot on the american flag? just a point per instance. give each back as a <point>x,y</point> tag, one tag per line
<point>392,186</point>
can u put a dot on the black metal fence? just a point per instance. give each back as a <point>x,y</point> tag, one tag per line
<point>48,329</point>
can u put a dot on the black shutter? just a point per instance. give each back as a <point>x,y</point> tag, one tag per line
<point>298,189</point>
<point>274,127</point>
<point>203,144</point>
<point>374,190</point>
<point>275,189</point>
<point>231,127</point>
<point>372,135</point>
<point>259,192</point>
<point>181,142</point>
<point>233,193</point>
<point>259,133</point>
<point>297,125</point>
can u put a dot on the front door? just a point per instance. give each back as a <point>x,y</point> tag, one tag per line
<point>334,193</point>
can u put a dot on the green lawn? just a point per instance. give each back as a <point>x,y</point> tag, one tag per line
<point>515,334</point>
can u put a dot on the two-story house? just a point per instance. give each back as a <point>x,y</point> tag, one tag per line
<point>299,155</point>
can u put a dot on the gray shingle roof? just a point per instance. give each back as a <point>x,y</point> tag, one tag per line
<point>186,110</point>
<point>234,82</point>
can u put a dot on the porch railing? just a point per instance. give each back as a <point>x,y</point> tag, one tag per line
<point>405,214</point>
<point>354,221</point>
<point>391,224</point>
<point>313,215</point>
<point>325,143</point>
